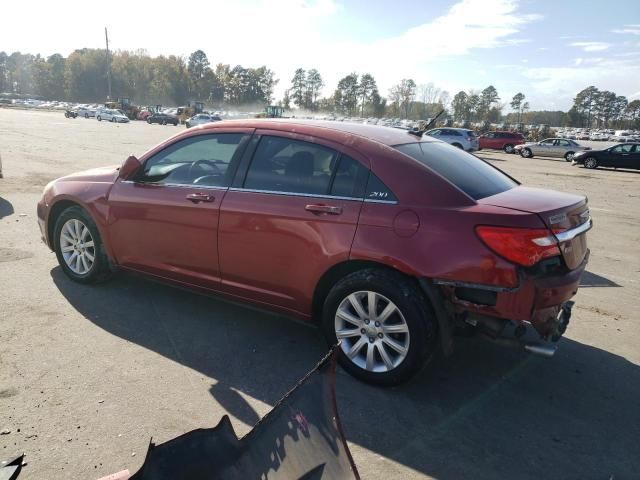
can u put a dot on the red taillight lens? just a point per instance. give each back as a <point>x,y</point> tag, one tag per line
<point>523,246</point>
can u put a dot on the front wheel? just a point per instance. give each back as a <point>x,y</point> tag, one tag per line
<point>590,163</point>
<point>526,153</point>
<point>113,119</point>
<point>99,118</point>
<point>79,248</point>
<point>149,121</point>
<point>508,148</point>
<point>386,329</point>
<point>86,115</point>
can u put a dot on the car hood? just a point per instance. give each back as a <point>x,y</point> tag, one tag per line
<point>101,175</point>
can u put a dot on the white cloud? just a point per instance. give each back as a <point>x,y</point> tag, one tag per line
<point>591,46</point>
<point>631,29</point>
<point>555,87</point>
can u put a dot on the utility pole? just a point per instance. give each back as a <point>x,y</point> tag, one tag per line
<point>106,36</point>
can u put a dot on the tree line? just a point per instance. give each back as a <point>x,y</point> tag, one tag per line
<point>83,77</point>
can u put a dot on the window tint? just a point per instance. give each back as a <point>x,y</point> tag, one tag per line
<point>376,190</point>
<point>623,149</point>
<point>349,178</point>
<point>548,142</point>
<point>564,143</point>
<point>200,160</point>
<point>475,177</point>
<point>284,165</point>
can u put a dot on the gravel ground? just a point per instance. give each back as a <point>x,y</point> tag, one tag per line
<point>89,374</point>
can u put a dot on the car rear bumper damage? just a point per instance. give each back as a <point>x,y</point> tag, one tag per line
<point>533,316</point>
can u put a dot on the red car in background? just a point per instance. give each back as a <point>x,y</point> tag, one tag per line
<point>501,140</point>
<point>385,239</point>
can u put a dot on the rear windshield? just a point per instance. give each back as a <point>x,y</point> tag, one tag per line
<point>473,176</point>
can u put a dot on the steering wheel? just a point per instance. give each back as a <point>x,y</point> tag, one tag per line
<point>211,163</point>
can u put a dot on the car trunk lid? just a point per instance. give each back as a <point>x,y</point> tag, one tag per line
<point>567,215</point>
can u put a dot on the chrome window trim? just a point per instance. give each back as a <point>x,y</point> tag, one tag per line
<point>574,232</point>
<point>311,195</point>
<point>294,194</point>
<point>180,185</point>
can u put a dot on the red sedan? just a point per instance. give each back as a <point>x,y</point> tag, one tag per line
<point>385,239</point>
<point>501,141</point>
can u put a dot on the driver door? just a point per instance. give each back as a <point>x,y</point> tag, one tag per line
<point>164,221</point>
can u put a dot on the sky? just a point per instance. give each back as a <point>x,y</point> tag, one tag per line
<point>548,50</point>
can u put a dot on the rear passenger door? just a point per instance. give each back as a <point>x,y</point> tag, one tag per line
<point>290,215</point>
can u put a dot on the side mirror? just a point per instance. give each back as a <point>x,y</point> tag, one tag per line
<point>129,167</point>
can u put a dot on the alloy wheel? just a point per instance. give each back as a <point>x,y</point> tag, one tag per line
<point>590,162</point>
<point>372,331</point>
<point>77,247</point>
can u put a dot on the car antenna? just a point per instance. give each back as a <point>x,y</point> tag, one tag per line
<point>422,127</point>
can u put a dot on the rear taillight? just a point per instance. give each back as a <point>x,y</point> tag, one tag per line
<point>524,246</point>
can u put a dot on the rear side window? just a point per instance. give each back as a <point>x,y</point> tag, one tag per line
<point>473,176</point>
<point>283,165</point>
<point>349,178</point>
<point>376,190</point>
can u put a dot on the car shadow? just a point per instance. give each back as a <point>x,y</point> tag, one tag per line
<point>590,279</point>
<point>6,208</point>
<point>487,412</point>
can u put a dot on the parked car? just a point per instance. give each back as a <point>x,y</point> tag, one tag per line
<point>86,112</point>
<point>551,147</point>
<point>385,239</point>
<point>623,136</point>
<point>462,138</point>
<point>501,140</point>
<point>201,119</point>
<point>619,156</point>
<point>163,119</point>
<point>111,115</point>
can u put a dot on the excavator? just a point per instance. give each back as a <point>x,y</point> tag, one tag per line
<point>184,113</point>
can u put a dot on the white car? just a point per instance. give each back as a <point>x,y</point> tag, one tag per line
<point>112,116</point>
<point>86,112</point>
<point>623,136</point>
<point>201,119</point>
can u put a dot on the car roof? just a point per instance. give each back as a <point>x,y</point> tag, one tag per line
<point>385,135</point>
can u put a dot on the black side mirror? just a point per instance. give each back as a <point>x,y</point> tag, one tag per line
<point>129,167</point>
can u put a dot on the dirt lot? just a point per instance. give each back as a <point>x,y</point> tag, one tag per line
<point>89,374</point>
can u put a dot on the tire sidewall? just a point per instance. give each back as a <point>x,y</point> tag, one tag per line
<point>526,153</point>
<point>567,158</point>
<point>415,309</point>
<point>100,265</point>
<point>594,165</point>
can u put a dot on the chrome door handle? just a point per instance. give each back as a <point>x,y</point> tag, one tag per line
<point>330,209</point>
<point>200,197</point>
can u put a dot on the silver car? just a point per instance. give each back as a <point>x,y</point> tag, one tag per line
<point>551,147</point>
<point>201,119</point>
<point>458,137</point>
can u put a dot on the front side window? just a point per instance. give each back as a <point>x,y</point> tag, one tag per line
<point>200,160</point>
<point>623,149</point>
<point>284,165</point>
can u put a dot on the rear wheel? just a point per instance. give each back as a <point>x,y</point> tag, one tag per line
<point>99,118</point>
<point>591,163</point>
<point>526,153</point>
<point>149,121</point>
<point>79,248</point>
<point>387,331</point>
<point>508,148</point>
<point>86,115</point>
<point>569,156</point>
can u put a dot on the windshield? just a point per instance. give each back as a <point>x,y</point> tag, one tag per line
<point>472,175</point>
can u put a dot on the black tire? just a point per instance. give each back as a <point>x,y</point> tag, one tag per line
<point>113,119</point>
<point>457,145</point>
<point>569,156</point>
<point>417,313</point>
<point>99,118</point>
<point>100,270</point>
<point>508,148</point>
<point>149,121</point>
<point>526,153</point>
<point>175,124</point>
<point>590,163</point>
<point>86,115</point>
<point>164,122</point>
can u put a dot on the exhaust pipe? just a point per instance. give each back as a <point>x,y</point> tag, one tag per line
<point>542,350</point>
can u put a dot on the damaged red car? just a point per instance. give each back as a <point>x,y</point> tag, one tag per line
<point>387,240</point>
